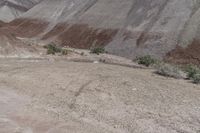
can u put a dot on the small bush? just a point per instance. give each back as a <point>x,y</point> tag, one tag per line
<point>169,71</point>
<point>191,71</point>
<point>146,60</point>
<point>97,50</point>
<point>64,52</point>
<point>196,78</point>
<point>52,49</point>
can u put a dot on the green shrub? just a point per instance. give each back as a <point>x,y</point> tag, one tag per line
<point>64,52</point>
<point>196,78</point>
<point>169,71</point>
<point>146,60</point>
<point>191,71</point>
<point>52,49</point>
<point>97,50</point>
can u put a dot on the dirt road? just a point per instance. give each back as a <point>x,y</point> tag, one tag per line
<point>39,96</point>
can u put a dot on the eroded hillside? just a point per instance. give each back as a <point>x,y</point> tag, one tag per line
<point>127,28</point>
<point>46,88</point>
<point>11,9</point>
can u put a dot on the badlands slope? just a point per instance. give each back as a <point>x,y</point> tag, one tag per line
<point>127,28</point>
<point>78,94</point>
<point>10,9</point>
<point>10,45</point>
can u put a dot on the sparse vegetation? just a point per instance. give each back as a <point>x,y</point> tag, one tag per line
<point>65,52</point>
<point>146,60</point>
<point>191,71</point>
<point>169,70</point>
<point>196,78</point>
<point>53,49</point>
<point>97,50</point>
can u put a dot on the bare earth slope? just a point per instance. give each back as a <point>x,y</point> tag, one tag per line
<point>66,97</point>
<point>128,28</point>
<point>11,9</point>
<point>10,46</point>
<point>2,23</point>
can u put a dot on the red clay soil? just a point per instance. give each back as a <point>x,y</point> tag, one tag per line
<point>74,35</point>
<point>81,35</point>
<point>189,55</point>
<point>2,24</point>
<point>28,27</point>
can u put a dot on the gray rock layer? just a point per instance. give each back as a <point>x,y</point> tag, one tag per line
<point>11,9</point>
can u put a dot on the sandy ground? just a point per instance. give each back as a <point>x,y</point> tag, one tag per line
<point>40,96</point>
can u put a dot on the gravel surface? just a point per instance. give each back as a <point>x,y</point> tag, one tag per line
<point>40,96</point>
